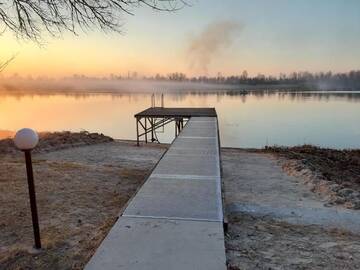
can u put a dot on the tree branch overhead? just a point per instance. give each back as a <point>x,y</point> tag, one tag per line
<point>30,18</point>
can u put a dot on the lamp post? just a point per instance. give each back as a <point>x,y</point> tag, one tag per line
<point>26,139</point>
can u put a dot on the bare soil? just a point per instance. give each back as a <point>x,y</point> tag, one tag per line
<point>264,243</point>
<point>51,141</point>
<point>276,221</point>
<point>334,174</point>
<point>80,193</point>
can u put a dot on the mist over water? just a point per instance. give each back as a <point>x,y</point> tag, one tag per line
<point>87,85</point>
<point>246,120</point>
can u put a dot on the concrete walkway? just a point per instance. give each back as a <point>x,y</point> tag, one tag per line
<point>175,220</point>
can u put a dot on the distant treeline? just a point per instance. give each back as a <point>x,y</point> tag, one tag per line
<point>177,80</point>
<point>323,80</point>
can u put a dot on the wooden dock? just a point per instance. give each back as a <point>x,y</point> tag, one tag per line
<point>177,112</point>
<point>154,118</point>
<point>175,221</point>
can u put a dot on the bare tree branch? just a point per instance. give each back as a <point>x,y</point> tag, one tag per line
<point>6,63</point>
<point>30,18</point>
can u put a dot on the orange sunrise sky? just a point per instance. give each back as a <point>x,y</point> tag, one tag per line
<point>273,37</point>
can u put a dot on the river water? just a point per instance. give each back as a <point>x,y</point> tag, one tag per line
<point>253,120</point>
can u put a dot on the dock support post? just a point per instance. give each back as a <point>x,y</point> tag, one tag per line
<point>145,130</point>
<point>176,128</point>
<point>137,131</point>
<point>152,129</point>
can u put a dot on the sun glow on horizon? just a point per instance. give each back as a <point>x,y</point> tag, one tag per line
<point>304,36</point>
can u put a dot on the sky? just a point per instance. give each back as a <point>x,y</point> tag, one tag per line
<point>268,37</point>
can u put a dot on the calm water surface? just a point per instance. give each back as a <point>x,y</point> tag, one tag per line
<point>252,120</point>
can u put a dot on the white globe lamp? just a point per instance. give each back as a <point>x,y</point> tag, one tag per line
<point>26,139</point>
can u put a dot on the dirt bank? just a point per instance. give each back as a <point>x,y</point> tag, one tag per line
<point>51,141</point>
<point>80,192</point>
<point>333,174</point>
<point>277,222</point>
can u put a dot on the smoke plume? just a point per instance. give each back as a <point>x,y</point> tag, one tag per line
<point>208,44</point>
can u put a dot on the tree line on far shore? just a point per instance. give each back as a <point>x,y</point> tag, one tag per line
<point>346,80</point>
<point>306,80</point>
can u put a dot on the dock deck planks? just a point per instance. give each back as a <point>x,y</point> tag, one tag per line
<point>177,112</point>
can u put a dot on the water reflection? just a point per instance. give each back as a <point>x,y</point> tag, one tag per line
<point>247,118</point>
<point>180,96</point>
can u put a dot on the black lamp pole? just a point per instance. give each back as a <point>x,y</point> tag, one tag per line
<point>32,195</point>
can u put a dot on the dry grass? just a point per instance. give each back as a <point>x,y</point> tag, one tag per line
<point>80,192</point>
